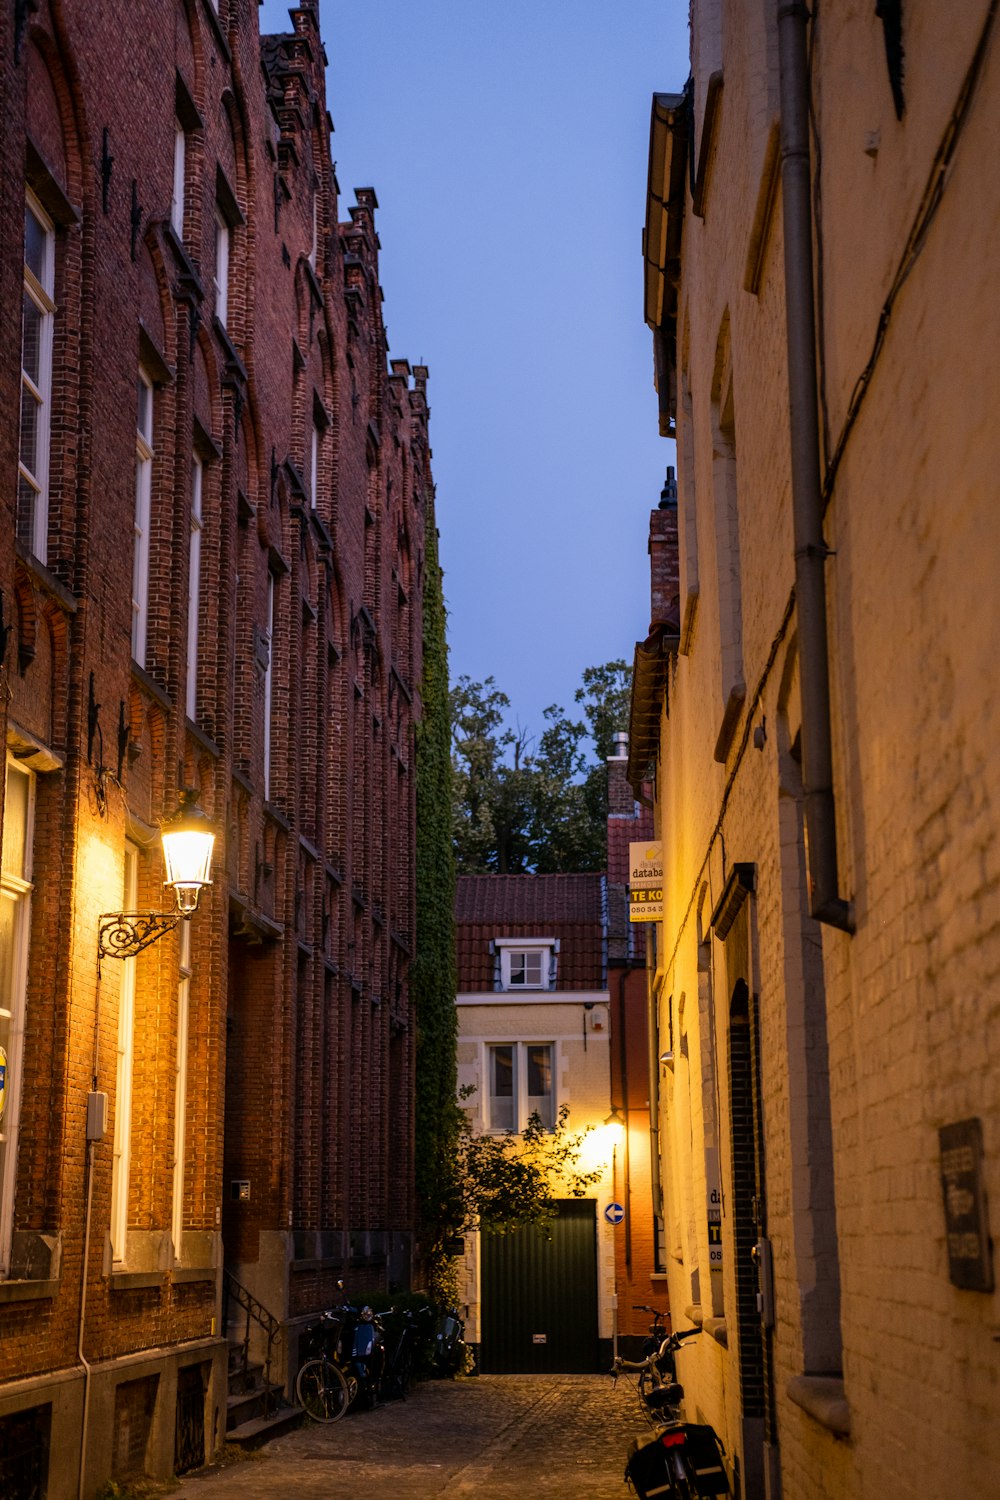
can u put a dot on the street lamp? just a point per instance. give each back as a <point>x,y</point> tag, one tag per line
<point>188,839</point>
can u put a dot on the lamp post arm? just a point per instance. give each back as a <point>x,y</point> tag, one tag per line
<point>123,934</point>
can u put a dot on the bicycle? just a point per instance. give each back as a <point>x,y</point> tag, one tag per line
<point>321,1387</point>
<point>401,1347</point>
<point>683,1460</point>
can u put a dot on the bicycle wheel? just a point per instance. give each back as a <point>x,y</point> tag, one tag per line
<point>322,1390</point>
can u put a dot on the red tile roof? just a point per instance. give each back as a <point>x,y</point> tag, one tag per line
<point>567,907</point>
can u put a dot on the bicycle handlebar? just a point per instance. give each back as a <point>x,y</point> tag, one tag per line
<point>671,1342</point>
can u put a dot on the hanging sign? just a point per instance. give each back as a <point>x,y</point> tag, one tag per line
<point>714,1230</point>
<point>645,881</point>
<point>970,1261</point>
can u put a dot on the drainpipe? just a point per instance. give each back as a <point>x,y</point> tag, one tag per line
<point>826,905</point>
<point>653,1042</point>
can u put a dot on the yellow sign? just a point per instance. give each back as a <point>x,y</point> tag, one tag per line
<point>645,881</point>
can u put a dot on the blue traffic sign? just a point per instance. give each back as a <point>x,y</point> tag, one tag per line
<point>614,1213</point>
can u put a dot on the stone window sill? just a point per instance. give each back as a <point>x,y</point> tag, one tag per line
<point>134,1281</point>
<point>28,1291</point>
<point>716,1327</point>
<point>822,1398</point>
<point>180,1275</point>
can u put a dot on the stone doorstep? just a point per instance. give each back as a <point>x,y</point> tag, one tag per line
<point>257,1431</point>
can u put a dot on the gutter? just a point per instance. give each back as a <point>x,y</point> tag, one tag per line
<point>661,242</point>
<point>811,551</point>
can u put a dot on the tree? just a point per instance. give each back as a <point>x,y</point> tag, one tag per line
<point>519,806</point>
<point>505,1182</point>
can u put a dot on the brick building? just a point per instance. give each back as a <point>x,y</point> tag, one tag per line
<point>533,1037</point>
<point>640,1268</point>
<point>820,267</point>
<point>211,579</point>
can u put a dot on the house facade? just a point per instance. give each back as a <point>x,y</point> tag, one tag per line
<point>820,258</point>
<point>211,580</point>
<point>534,1012</point>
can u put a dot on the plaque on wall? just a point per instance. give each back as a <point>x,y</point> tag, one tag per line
<point>970,1258</point>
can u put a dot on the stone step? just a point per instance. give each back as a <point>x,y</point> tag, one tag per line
<point>251,1379</point>
<point>243,1406</point>
<point>259,1430</point>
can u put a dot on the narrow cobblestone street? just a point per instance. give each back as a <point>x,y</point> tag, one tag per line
<point>496,1437</point>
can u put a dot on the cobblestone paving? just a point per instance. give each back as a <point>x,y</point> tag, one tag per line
<point>492,1437</point>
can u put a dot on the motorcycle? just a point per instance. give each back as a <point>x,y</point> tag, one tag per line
<point>449,1345</point>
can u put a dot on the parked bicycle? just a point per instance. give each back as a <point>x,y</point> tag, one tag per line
<point>346,1361</point>
<point>322,1387</point>
<point>402,1328</point>
<point>682,1460</point>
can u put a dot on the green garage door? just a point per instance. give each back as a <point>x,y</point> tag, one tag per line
<point>539,1297</point>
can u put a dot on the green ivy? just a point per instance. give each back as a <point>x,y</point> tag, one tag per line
<point>432,976</point>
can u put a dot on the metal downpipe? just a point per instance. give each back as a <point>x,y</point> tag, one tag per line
<point>826,905</point>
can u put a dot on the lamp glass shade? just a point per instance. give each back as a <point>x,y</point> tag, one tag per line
<point>188,841</point>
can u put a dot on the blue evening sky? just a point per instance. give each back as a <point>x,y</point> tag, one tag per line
<point>507,144</point>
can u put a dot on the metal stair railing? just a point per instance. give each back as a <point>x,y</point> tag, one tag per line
<point>233,1291</point>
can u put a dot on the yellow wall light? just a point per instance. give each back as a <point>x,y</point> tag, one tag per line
<point>188,841</point>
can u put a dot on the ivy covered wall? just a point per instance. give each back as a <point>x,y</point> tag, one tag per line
<point>432,977</point>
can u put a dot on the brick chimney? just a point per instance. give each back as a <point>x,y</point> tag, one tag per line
<point>621,798</point>
<point>664,561</point>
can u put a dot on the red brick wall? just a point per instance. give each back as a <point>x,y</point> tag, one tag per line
<point>300,1052</point>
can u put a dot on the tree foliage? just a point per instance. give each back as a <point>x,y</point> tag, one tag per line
<point>521,805</point>
<point>504,1182</point>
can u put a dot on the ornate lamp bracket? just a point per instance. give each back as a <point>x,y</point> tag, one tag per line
<point>123,934</point>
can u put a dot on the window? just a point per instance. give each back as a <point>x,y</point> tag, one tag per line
<point>177,196</point>
<point>143,499</point>
<point>268,644</point>
<point>314,464</point>
<point>526,964</point>
<point>38,318</point>
<point>15,911</point>
<point>221,281</point>
<point>520,1085</point>
<point>194,587</point>
<point>123,1074</point>
<point>180,1085</point>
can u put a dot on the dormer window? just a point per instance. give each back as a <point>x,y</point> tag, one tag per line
<point>526,963</point>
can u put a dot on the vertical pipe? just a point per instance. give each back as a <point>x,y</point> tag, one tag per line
<point>807,508</point>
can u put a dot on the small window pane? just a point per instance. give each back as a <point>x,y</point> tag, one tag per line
<point>28,442</point>
<point>144,410</point>
<point>502,1090</point>
<point>36,246</point>
<point>15,822</point>
<point>31,339</point>
<point>27,502</point>
<point>539,1069</point>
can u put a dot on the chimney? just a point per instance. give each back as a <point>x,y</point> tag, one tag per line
<point>664,566</point>
<point>621,799</point>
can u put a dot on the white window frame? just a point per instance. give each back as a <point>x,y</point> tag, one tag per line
<point>42,293</point>
<point>180,172</point>
<point>514,948</point>
<point>16,887</point>
<point>121,1160</point>
<point>268,675</point>
<point>194,586</point>
<point>141,521</point>
<point>522,1103</point>
<point>181,1085</point>
<point>221,278</point>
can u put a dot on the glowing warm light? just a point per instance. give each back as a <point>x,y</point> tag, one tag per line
<point>188,841</point>
<point>598,1146</point>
